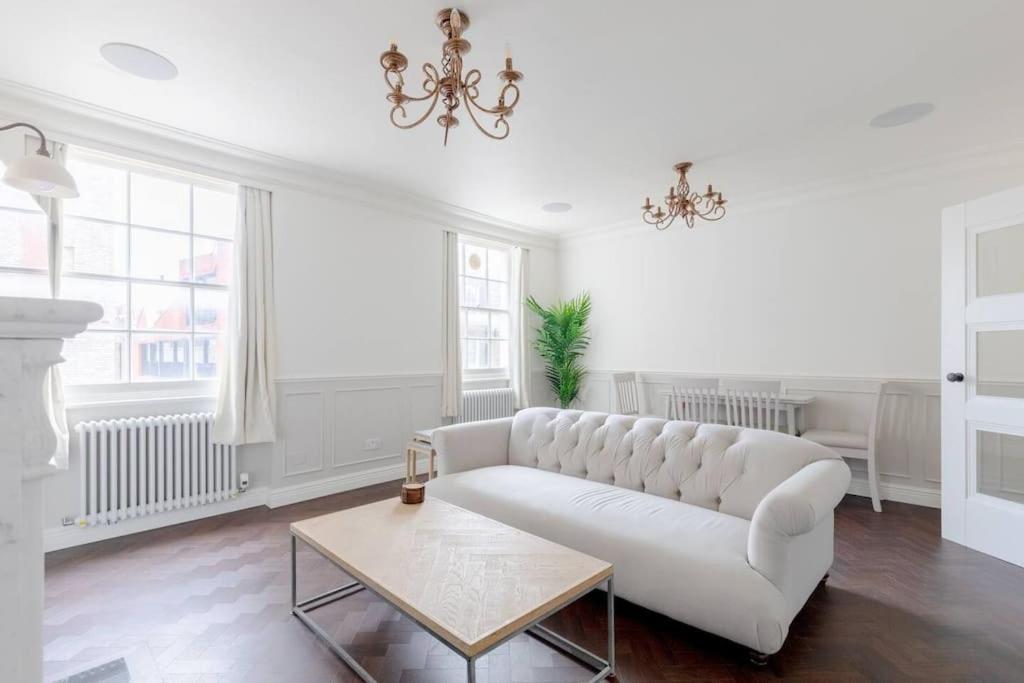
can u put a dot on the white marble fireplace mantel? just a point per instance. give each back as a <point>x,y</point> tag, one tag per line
<point>32,332</point>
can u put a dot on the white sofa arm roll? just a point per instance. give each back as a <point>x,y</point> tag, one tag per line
<point>794,508</point>
<point>472,445</point>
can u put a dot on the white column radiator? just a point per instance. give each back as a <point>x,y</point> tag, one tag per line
<point>486,404</point>
<point>142,466</point>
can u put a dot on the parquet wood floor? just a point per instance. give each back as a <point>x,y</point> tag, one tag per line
<point>208,601</point>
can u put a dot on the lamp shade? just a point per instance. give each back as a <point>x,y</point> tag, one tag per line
<point>41,175</point>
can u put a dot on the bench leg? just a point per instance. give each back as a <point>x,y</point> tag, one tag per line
<point>758,658</point>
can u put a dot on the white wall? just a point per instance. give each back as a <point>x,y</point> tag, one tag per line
<point>822,290</point>
<point>358,298</point>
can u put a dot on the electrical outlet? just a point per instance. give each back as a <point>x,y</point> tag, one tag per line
<point>67,521</point>
<point>373,444</point>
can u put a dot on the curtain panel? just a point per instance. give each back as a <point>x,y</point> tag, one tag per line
<point>246,403</point>
<point>519,357</point>
<point>451,360</point>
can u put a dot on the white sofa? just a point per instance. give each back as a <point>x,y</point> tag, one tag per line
<point>723,528</point>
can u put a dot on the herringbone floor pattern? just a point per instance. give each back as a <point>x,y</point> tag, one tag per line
<point>208,601</point>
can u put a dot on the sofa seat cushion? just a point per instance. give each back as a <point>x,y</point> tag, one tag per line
<point>837,439</point>
<point>669,556</point>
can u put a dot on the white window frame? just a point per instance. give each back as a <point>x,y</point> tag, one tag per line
<point>167,388</point>
<point>490,377</point>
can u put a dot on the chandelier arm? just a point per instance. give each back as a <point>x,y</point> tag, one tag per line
<point>499,122</point>
<point>666,222</point>
<point>406,126</point>
<point>472,93</point>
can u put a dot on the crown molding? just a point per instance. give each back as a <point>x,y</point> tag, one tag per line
<point>936,168</point>
<point>103,129</point>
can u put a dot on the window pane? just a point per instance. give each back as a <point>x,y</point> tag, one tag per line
<point>103,190</point>
<point>475,292</point>
<point>98,248</point>
<point>160,255</point>
<point>22,239</point>
<point>500,323</point>
<point>35,285</point>
<point>158,357</point>
<point>462,322</point>
<point>213,261</point>
<point>499,354</point>
<point>476,260</point>
<point>159,203</point>
<point>497,295</point>
<point>15,199</point>
<point>211,310</point>
<point>214,212</point>
<point>112,296</point>
<point>999,254</point>
<point>207,353</point>
<point>476,324</point>
<point>477,355</point>
<point>160,307</point>
<point>1000,363</point>
<point>497,264</point>
<point>96,358</point>
<point>1000,459</point>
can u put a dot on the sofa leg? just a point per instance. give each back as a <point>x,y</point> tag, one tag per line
<point>824,579</point>
<point>758,658</point>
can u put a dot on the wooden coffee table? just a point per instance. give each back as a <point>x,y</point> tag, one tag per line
<point>472,582</point>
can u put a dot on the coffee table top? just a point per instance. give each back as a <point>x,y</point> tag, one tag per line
<point>469,579</point>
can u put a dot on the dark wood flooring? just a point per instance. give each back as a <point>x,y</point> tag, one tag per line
<point>208,601</point>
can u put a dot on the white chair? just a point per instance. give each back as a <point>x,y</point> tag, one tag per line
<point>752,404</point>
<point>695,399</point>
<point>627,393</point>
<point>860,446</point>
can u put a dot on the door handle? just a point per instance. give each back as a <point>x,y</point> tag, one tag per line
<point>955,377</point>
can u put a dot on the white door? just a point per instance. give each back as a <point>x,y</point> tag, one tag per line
<point>983,375</point>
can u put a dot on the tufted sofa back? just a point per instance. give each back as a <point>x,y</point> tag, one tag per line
<point>729,469</point>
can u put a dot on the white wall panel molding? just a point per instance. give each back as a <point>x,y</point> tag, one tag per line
<point>88,125</point>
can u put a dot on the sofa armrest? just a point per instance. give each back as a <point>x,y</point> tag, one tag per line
<point>472,445</point>
<point>792,509</point>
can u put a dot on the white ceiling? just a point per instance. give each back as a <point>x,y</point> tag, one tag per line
<point>764,96</point>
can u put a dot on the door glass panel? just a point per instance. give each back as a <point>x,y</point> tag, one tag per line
<point>1001,363</point>
<point>1000,254</point>
<point>1001,465</point>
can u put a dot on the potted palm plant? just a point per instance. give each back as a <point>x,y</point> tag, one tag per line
<point>562,337</point>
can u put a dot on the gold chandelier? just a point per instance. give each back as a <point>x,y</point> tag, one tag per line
<point>681,202</point>
<point>451,87</point>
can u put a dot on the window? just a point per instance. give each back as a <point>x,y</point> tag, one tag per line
<point>23,259</point>
<point>153,247</point>
<point>484,317</point>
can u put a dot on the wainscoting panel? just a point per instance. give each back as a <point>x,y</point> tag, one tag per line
<point>425,405</point>
<point>303,413</point>
<point>359,426</point>
<point>369,413</point>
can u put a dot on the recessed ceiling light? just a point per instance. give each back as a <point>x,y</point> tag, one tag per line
<point>138,61</point>
<point>557,207</point>
<point>901,116</point>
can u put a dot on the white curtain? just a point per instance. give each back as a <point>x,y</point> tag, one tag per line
<point>245,408</point>
<point>451,362</point>
<point>53,390</point>
<point>520,352</point>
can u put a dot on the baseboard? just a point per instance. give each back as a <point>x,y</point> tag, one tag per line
<point>58,538</point>
<point>287,495</point>
<point>899,493</point>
